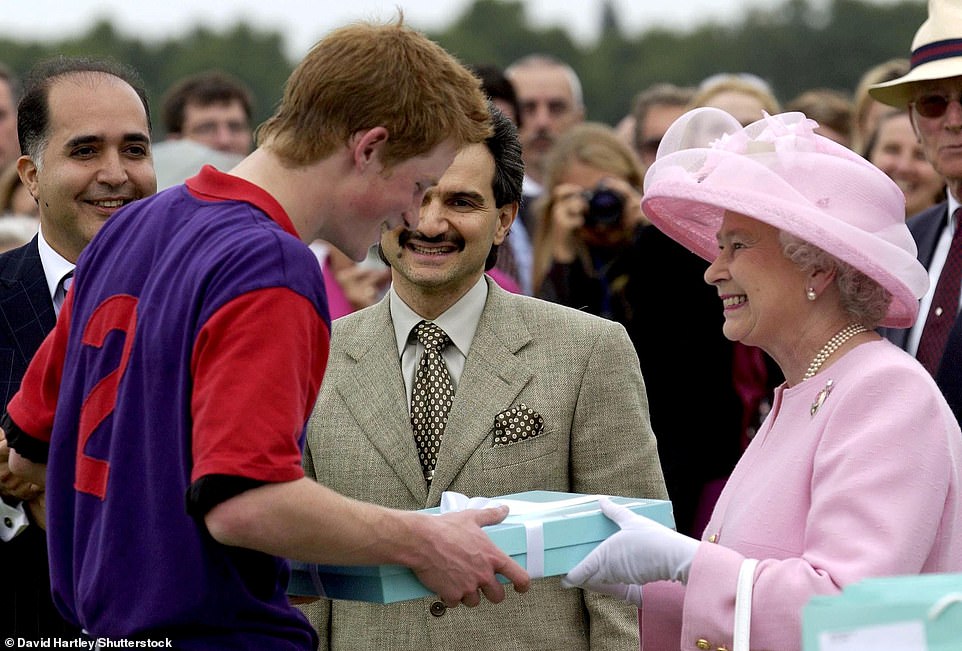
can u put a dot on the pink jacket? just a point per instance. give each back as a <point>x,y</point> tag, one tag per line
<point>868,485</point>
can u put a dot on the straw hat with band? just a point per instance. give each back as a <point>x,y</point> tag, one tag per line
<point>936,53</point>
<point>778,171</point>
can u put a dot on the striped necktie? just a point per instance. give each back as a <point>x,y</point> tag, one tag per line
<point>945,305</point>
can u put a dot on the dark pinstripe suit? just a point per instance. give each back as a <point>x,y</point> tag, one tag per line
<point>26,316</point>
<point>926,228</point>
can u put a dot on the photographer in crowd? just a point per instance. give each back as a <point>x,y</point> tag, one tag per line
<point>587,222</point>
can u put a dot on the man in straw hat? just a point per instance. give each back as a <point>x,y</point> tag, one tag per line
<point>932,90</point>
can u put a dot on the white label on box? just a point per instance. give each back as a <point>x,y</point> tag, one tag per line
<point>904,636</point>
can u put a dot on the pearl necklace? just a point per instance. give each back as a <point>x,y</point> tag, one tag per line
<point>831,346</point>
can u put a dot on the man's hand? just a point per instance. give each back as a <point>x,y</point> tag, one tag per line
<point>38,510</point>
<point>362,286</point>
<point>566,215</point>
<point>459,562</point>
<point>10,484</point>
<point>643,551</point>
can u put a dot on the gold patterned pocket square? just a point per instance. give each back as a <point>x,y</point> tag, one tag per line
<point>517,424</point>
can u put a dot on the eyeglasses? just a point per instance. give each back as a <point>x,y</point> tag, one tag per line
<point>933,105</point>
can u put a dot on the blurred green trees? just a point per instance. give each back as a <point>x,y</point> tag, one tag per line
<point>798,45</point>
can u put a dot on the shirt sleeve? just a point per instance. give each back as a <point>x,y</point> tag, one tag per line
<point>257,366</point>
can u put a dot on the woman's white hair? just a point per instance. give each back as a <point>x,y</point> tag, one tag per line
<point>864,300</point>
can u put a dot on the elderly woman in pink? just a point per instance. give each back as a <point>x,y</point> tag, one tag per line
<point>856,471</point>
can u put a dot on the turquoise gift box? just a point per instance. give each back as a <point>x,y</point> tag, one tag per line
<point>910,613</point>
<point>567,525</point>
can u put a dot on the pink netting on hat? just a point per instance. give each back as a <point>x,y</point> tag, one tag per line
<point>777,170</point>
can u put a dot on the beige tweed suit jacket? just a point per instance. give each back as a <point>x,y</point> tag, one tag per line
<point>578,371</point>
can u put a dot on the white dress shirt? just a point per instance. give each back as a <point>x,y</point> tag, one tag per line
<point>55,268</point>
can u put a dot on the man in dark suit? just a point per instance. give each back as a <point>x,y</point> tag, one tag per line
<point>928,227</point>
<point>932,90</point>
<point>84,130</point>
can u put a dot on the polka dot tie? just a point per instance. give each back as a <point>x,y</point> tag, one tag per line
<point>432,396</point>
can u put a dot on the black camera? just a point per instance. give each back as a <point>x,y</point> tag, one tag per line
<point>604,207</point>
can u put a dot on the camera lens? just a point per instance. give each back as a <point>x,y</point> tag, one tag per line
<point>604,208</point>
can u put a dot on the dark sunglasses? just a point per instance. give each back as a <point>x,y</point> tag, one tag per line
<point>933,106</point>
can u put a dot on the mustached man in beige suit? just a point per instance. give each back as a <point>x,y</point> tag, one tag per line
<point>546,397</point>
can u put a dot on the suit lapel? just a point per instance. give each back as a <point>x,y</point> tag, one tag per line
<point>374,392</point>
<point>492,379</point>
<point>26,313</point>
<point>926,228</point>
<point>928,231</point>
<point>26,309</point>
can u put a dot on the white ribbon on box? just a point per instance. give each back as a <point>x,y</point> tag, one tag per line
<point>519,511</point>
<point>316,580</point>
<point>943,604</point>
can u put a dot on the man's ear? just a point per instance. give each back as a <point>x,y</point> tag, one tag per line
<point>27,170</point>
<point>506,217</point>
<point>367,147</point>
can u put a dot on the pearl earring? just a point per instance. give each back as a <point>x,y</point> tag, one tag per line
<point>810,294</point>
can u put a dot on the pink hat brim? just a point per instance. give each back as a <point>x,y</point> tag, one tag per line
<point>831,198</point>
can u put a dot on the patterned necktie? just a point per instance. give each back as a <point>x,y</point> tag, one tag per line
<point>60,295</point>
<point>431,397</point>
<point>945,305</point>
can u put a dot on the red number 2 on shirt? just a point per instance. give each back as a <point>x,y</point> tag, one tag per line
<point>116,313</point>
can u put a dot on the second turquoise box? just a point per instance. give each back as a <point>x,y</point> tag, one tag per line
<point>896,612</point>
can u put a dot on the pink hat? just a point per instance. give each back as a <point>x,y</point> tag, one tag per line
<point>778,171</point>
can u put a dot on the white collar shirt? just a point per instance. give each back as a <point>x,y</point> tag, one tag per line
<point>55,268</point>
<point>459,322</point>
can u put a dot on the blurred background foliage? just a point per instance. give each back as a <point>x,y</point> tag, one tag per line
<point>801,44</point>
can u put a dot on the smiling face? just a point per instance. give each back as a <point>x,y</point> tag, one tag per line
<point>383,198</point>
<point>762,291</point>
<point>95,161</point>
<point>436,264</point>
<point>898,153</point>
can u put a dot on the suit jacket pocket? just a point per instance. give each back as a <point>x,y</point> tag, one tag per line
<point>515,424</point>
<point>499,456</point>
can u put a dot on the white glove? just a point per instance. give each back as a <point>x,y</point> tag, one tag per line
<point>642,552</point>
